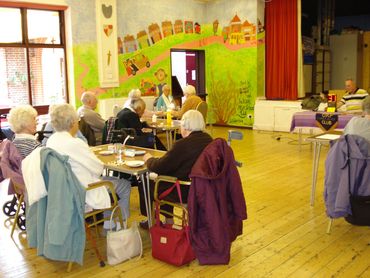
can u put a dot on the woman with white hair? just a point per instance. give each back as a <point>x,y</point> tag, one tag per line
<point>84,164</point>
<point>191,101</point>
<point>22,120</point>
<point>132,95</point>
<point>180,159</point>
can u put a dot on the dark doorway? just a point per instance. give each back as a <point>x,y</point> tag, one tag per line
<point>188,67</point>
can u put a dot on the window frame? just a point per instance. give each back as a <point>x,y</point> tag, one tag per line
<point>41,109</point>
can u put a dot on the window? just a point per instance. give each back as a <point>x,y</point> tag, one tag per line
<point>32,57</point>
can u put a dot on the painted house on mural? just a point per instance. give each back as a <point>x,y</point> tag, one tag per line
<point>155,33</point>
<point>130,43</point>
<point>197,28</point>
<point>179,27</point>
<point>189,27</point>
<point>167,28</point>
<point>215,27</point>
<point>249,31</point>
<point>120,45</point>
<point>236,36</point>
<point>142,39</point>
<point>225,33</point>
<point>260,26</point>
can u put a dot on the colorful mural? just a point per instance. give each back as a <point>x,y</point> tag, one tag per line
<point>232,61</point>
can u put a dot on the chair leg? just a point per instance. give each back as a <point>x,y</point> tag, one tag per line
<point>95,226</point>
<point>93,244</point>
<point>69,268</point>
<point>329,225</point>
<point>20,200</point>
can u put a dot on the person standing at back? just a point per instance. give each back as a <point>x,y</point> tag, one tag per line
<point>352,99</point>
<point>91,117</point>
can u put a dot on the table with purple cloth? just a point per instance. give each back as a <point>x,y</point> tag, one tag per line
<point>308,119</point>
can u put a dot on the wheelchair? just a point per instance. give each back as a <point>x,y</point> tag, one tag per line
<point>10,209</point>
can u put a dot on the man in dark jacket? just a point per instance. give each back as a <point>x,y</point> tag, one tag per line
<point>180,159</point>
<point>129,117</point>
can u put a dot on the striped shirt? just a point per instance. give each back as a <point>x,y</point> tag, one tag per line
<point>353,102</point>
<point>25,143</point>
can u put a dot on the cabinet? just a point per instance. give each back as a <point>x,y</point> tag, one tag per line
<point>347,55</point>
<point>322,68</point>
<point>274,115</point>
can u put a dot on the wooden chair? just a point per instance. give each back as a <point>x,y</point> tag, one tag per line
<point>18,219</point>
<point>202,107</point>
<point>182,207</point>
<point>95,221</point>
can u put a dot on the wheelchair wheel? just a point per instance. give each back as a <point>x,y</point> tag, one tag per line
<point>21,223</point>
<point>10,207</point>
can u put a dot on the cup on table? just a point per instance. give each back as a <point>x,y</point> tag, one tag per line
<point>117,147</point>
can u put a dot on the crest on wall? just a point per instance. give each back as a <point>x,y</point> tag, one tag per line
<point>108,29</point>
<point>107,10</point>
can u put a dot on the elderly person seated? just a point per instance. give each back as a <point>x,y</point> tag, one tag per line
<point>360,125</point>
<point>22,120</point>
<point>352,100</point>
<point>129,117</point>
<point>85,165</point>
<point>191,101</point>
<point>165,101</point>
<point>132,95</point>
<point>48,130</point>
<point>90,116</point>
<point>178,161</point>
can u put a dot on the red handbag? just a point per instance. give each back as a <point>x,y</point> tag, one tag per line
<point>171,243</point>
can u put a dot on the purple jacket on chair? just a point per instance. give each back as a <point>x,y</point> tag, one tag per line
<point>339,180</point>
<point>216,204</point>
<point>10,165</point>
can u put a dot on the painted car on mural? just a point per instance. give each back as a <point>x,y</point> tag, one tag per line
<point>135,63</point>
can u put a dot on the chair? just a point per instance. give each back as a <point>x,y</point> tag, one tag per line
<point>202,107</point>
<point>236,135</point>
<point>19,219</point>
<point>87,131</point>
<point>95,221</point>
<point>182,207</point>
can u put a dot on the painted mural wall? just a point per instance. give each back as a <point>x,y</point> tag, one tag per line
<point>230,32</point>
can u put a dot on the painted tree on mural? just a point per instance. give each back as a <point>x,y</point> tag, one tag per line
<point>223,97</point>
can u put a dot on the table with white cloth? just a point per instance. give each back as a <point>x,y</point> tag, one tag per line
<point>110,161</point>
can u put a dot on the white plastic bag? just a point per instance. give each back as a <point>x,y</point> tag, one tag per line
<point>123,244</point>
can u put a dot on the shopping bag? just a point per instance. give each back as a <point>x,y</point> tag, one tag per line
<point>360,206</point>
<point>123,244</point>
<point>171,243</point>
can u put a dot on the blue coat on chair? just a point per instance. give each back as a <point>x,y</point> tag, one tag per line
<point>55,224</point>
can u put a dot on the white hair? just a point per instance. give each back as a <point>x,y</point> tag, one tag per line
<point>138,103</point>
<point>63,116</point>
<point>87,97</point>
<point>134,94</point>
<point>192,120</point>
<point>21,117</point>
<point>189,90</point>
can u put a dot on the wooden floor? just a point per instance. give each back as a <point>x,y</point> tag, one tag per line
<point>283,237</point>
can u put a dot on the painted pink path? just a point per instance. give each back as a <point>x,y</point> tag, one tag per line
<point>187,45</point>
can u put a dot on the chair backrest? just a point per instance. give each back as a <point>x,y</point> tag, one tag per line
<point>202,107</point>
<point>109,126</point>
<point>119,135</point>
<point>87,131</point>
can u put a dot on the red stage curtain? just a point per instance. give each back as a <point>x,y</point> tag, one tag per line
<point>281,49</point>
